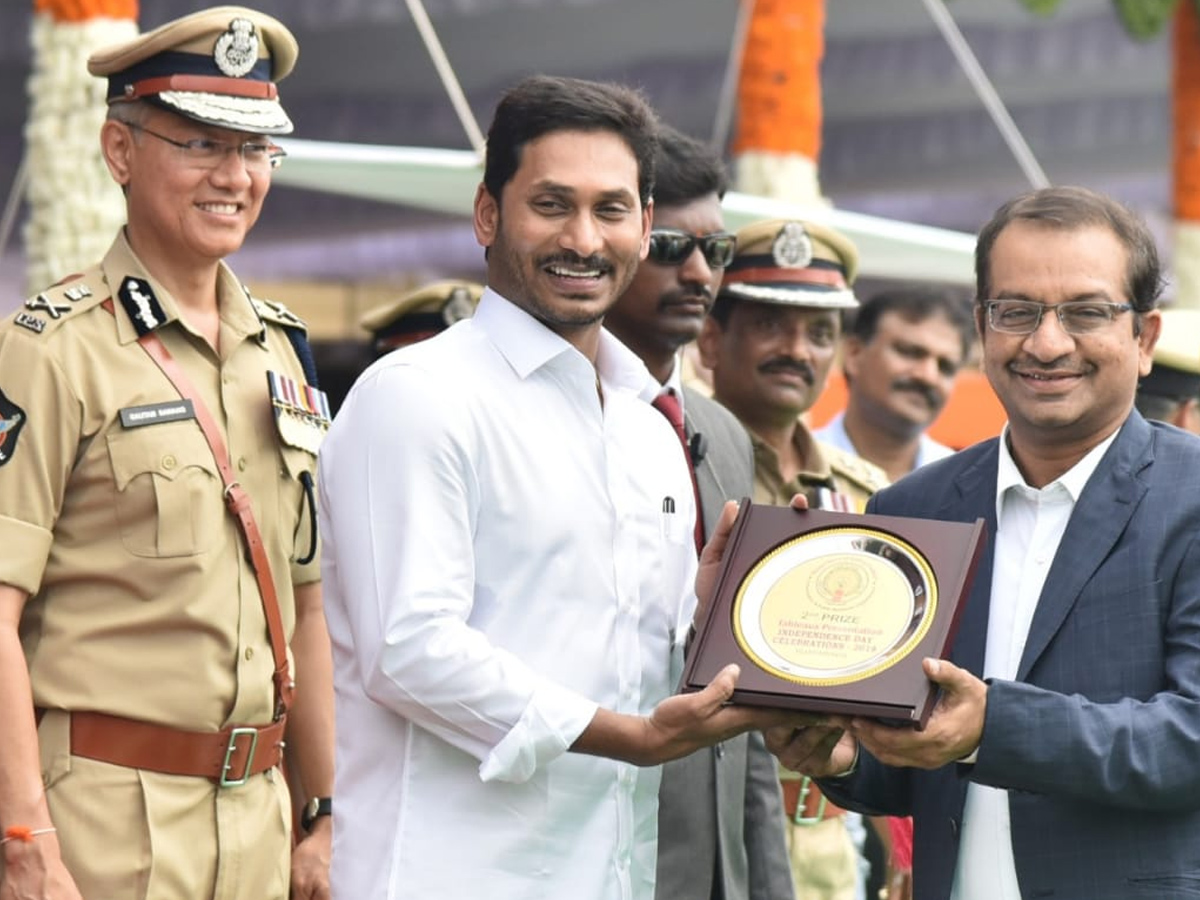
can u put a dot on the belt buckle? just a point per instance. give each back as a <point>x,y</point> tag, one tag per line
<point>225,781</point>
<point>805,788</point>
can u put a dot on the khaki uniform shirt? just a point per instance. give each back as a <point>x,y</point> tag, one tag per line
<point>143,602</point>
<point>825,467</point>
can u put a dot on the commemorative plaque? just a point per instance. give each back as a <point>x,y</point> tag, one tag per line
<point>833,612</point>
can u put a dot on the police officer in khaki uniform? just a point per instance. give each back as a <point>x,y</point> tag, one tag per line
<point>420,314</point>
<point>156,459</point>
<point>1171,392</point>
<point>770,341</point>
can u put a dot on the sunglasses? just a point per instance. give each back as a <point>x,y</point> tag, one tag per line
<point>671,247</point>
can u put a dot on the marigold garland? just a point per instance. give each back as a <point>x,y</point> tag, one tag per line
<point>85,10</point>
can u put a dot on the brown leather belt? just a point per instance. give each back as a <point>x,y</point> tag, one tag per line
<point>228,757</point>
<point>804,804</point>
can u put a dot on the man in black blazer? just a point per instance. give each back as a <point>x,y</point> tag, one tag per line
<point>720,810</point>
<point>1061,760</point>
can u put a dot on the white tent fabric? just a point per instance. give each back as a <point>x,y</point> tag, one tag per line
<point>446,180</point>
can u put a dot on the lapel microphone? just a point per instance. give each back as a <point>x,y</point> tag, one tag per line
<point>697,448</point>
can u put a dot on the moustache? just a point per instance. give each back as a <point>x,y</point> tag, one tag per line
<point>697,294</point>
<point>931,396</point>
<point>787,364</point>
<point>569,258</point>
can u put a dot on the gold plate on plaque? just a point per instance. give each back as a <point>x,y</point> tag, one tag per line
<point>835,605</point>
<point>832,612</point>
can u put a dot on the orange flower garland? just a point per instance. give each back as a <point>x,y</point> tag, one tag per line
<point>779,91</point>
<point>1185,111</point>
<point>84,10</point>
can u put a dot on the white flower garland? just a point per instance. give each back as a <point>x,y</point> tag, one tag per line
<point>75,208</point>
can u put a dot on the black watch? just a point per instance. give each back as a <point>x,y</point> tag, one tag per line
<point>313,810</point>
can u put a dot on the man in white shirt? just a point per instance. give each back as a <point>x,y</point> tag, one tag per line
<point>901,352</point>
<point>1060,760</point>
<point>509,545</point>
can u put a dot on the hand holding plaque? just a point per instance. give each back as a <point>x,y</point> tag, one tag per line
<point>833,612</point>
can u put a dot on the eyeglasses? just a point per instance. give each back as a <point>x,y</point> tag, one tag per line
<point>206,153</point>
<point>1075,316</point>
<point>672,247</point>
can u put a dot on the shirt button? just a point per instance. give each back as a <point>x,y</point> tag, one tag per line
<point>249,653</point>
<point>169,462</point>
<point>242,464</point>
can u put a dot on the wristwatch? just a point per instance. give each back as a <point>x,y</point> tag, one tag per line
<point>313,810</point>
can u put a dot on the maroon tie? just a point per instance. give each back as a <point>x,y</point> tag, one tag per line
<point>668,404</point>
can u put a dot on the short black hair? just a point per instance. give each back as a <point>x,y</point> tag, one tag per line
<point>686,169</point>
<point>1071,209</point>
<point>914,304</point>
<point>542,104</point>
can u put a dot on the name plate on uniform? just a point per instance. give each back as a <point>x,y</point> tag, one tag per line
<point>833,612</point>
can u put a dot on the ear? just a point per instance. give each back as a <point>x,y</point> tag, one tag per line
<point>708,342</point>
<point>1151,329</point>
<point>116,145</point>
<point>486,218</point>
<point>647,222</point>
<point>852,348</point>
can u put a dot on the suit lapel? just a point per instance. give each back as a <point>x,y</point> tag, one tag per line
<point>977,500</point>
<point>1100,517</point>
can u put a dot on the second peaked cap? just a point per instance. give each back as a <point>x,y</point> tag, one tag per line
<point>794,263</point>
<point>219,66</point>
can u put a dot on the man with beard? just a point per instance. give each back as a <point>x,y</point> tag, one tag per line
<point>900,357</point>
<point>720,813</point>
<point>770,341</point>
<point>509,550</point>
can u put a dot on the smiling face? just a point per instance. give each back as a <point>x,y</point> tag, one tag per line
<point>1064,394</point>
<point>901,378</point>
<point>665,305</point>
<point>566,235</point>
<point>181,215</point>
<point>770,361</point>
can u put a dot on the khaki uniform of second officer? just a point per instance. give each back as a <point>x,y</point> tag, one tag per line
<point>144,632</point>
<point>770,341</point>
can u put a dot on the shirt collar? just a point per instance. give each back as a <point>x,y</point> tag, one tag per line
<point>528,345</point>
<point>1008,476</point>
<point>236,311</point>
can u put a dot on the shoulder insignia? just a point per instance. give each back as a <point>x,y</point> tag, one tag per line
<point>12,420</point>
<point>866,475</point>
<point>45,311</point>
<point>271,311</point>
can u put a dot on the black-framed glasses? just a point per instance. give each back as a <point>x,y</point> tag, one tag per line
<point>1075,316</point>
<point>672,247</point>
<point>206,153</point>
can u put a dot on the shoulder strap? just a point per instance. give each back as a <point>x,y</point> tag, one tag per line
<point>238,502</point>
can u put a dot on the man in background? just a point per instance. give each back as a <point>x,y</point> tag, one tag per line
<point>720,818</point>
<point>770,342</point>
<point>900,355</point>
<point>1171,392</point>
<point>420,314</point>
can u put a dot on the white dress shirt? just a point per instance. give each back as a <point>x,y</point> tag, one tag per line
<point>834,434</point>
<point>1030,523</point>
<point>499,560</point>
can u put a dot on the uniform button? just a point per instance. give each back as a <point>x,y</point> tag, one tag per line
<point>249,653</point>
<point>242,464</point>
<point>168,462</point>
